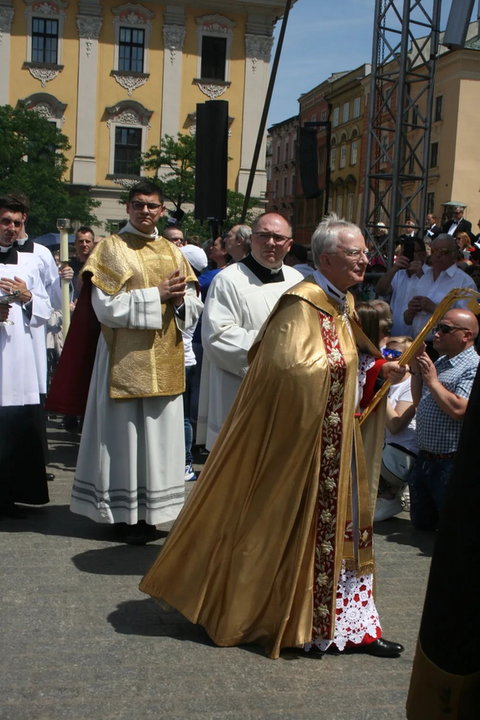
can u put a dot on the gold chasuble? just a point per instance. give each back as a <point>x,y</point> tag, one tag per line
<point>143,363</point>
<point>256,552</point>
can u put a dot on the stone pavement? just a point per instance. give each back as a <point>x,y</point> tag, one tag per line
<point>80,641</point>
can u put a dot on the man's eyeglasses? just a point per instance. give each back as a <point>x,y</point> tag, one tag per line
<point>445,329</point>
<point>6,222</point>
<point>352,252</point>
<point>137,205</point>
<point>441,251</point>
<point>265,236</point>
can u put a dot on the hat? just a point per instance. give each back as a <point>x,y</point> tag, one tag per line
<point>195,256</point>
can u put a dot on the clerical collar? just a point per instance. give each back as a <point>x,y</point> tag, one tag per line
<point>264,274</point>
<point>24,244</point>
<point>129,228</point>
<point>8,255</point>
<point>330,289</point>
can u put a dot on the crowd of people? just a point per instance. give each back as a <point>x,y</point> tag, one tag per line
<point>266,354</point>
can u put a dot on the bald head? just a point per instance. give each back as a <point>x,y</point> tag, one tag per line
<point>462,318</point>
<point>455,332</point>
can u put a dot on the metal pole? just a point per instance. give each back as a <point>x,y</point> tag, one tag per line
<point>266,108</point>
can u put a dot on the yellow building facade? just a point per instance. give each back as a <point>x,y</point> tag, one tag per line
<point>116,77</point>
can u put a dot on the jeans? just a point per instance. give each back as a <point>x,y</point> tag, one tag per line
<point>428,480</point>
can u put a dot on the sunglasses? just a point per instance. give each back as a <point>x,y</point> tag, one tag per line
<point>387,353</point>
<point>445,329</point>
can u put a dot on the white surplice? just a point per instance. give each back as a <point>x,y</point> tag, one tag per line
<point>19,380</point>
<point>236,306</point>
<point>49,277</point>
<point>131,462</point>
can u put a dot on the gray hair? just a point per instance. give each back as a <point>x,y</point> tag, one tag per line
<point>445,237</point>
<point>325,235</point>
<point>244,232</point>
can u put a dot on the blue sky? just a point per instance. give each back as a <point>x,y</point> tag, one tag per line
<point>322,37</point>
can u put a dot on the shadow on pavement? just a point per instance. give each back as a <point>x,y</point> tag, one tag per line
<point>401,531</point>
<point>146,617</point>
<point>117,560</point>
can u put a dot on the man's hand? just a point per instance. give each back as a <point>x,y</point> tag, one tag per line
<point>427,369</point>
<point>173,288</point>
<point>401,263</point>
<point>16,285</point>
<point>415,268</point>
<point>421,303</point>
<point>65,272</point>
<point>4,310</point>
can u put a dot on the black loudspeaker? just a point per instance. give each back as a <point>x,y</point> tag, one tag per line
<point>457,24</point>
<point>211,160</point>
<point>307,158</point>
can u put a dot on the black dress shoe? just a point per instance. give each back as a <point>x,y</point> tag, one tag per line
<point>378,648</point>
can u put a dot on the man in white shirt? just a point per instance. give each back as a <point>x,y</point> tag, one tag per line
<point>22,461</point>
<point>435,283</point>
<point>239,301</point>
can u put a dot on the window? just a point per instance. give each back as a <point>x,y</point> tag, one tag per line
<point>214,56</point>
<point>346,112</point>
<point>343,156</point>
<point>276,189</point>
<point>356,107</point>
<point>430,202</point>
<point>128,146</point>
<point>285,190</point>
<point>333,157</point>
<point>415,115</point>
<point>278,154</point>
<point>292,188</point>
<point>354,153</point>
<point>286,151</point>
<point>438,107</point>
<point>44,40</point>
<point>433,154</point>
<point>335,116</point>
<point>131,48</point>
<point>132,27</point>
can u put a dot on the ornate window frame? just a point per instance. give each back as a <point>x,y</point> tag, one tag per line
<point>126,113</point>
<point>134,16</point>
<point>214,26</point>
<point>47,106</point>
<point>50,10</point>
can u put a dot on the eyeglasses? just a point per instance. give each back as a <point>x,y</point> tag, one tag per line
<point>352,252</point>
<point>265,236</point>
<point>390,353</point>
<point>445,329</point>
<point>137,205</point>
<point>441,252</point>
<point>6,222</point>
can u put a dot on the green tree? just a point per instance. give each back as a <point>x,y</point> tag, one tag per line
<point>33,162</point>
<point>178,183</point>
<point>175,158</point>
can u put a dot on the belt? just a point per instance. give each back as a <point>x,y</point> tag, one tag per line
<point>438,456</point>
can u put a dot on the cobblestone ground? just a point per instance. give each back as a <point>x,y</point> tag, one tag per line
<point>80,641</point>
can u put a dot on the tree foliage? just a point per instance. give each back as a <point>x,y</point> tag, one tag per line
<point>174,161</point>
<point>33,162</point>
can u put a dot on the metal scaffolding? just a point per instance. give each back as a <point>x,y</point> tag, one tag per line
<point>405,45</point>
